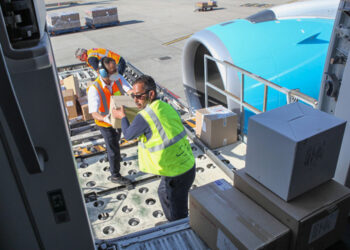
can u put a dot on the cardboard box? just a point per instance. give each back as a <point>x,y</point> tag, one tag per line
<point>70,102</point>
<point>202,4</point>
<point>316,218</point>
<point>293,149</point>
<point>216,126</point>
<point>71,82</point>
<point>225,218</point>
<point>85,112</point>
<point>130,108</point>
<point>212,4</point>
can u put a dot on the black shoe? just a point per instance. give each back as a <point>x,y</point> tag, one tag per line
<point>120,180</point>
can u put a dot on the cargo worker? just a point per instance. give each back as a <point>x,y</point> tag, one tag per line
<point>163,146</point>
<point>99,94</point>
<point>94,55</point>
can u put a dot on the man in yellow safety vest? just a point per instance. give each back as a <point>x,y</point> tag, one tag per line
<point>163,146</point>
<point>94,55</point>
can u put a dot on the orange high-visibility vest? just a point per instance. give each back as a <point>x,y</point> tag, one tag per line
<point>105,97</point>
<point>99,53</point>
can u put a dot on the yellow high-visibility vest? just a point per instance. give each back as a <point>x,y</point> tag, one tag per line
<point>167,152</point>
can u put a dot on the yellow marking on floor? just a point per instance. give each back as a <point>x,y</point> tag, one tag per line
<point>177,40</point>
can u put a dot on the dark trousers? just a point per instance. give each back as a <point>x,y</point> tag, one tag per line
<point>173,194</point>
<point>111,137</point>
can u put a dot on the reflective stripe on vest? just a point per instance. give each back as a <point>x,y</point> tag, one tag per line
<point>103,98</point>
<point>160,155</point>
<point>94,52</point>
<point>166,142</point>
<point>119,84</point>
<point>99,53</point>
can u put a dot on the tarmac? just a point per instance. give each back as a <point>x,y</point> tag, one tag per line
<point>151,34</point>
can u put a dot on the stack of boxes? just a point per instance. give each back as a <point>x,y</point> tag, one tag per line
<point>75,99</point>
<point>291,158</point>
<point>102,15</point>
<point>62,21</point>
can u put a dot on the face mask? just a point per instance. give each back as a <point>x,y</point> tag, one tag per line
<point>114,76</point>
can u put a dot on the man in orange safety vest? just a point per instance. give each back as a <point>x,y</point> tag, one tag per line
<point>94,55</point>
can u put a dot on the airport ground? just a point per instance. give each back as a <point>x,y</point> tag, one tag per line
<point>151,34</point>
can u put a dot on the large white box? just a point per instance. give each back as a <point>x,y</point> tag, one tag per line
<point>293,149</point>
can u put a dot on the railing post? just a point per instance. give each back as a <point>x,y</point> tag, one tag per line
<point>265,98</point>
<point>241,118</point>
<point>242,90</point>
<point>205,80</point>
<point>288,95</point>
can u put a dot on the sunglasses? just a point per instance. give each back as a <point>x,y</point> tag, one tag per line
<point>139,96</point>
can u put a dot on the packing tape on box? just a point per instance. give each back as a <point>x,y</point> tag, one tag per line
<point>225,122</point>
<point>204,126</point>
<point>224,142</point>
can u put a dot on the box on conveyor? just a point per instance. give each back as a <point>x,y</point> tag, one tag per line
<point>70,102</point>
<point>130,109</point>
<point>216,126</point>
<point>102,15</point>
<point>83,101</point>
<point>63,21</point>
<point>225,218</point>
<point>71,82</point>
<point>293,149</point>
<point>317,218</point>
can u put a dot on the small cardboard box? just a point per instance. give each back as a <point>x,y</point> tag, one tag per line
<point>71,82</point>
<point>293,149</point>
<point>85,112</point>
<point>130,109</point>
<point>317,218</point>
<point>70,101</point>
<point>225,218</point>
<point>216,126</point>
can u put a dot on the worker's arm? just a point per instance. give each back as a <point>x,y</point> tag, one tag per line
<point>138,127</point>
<point>93,61</point>
<point>126,86</point>
<point>98,116</point>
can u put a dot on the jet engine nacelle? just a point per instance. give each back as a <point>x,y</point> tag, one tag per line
<point>284,45</point>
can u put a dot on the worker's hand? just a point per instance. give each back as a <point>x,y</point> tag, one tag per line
<point>107,119</point>
<point>130,91</point>
<point>118,113</point>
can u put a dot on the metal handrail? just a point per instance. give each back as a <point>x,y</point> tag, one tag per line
<point>290,93</point>
<point>240,100</point>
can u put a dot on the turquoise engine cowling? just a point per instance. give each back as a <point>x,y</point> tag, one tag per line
<point>289,52</point>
